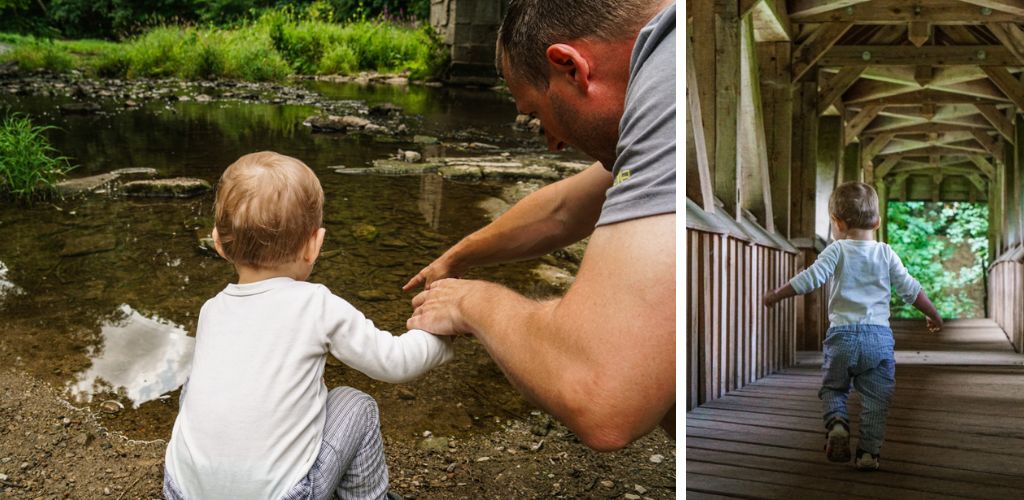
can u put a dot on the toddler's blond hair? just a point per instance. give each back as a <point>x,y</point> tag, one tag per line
<point>856,204</point>
<point>268,205</point>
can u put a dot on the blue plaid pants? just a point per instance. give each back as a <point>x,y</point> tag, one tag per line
<point>861,356</point>
<point>351,459</point>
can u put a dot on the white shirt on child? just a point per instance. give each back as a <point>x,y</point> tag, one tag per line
<point>252,419</point>
<point>862,273</point>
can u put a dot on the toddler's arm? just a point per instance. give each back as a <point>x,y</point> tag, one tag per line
<point>923,304</point>
<point>355,341</point>
<point>809,279</point>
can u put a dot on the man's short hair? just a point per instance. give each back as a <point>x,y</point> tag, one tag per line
<point>856,204</point>
<point>531,26</point>
<point>268,205</point>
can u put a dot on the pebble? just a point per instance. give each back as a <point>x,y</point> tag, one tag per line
<point>657,459</point>
<point>106,491</point>
<point>483,459</point>
<point>640,489</point>
<point>3,477</point>
<point>24,465</point>
<point>631,496</point>
<point>427,434</point>
<point>607,484</point>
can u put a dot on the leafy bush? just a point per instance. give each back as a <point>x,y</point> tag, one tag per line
<point>29,165</point>
<point>945,247</point>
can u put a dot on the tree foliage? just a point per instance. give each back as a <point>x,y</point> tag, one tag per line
<point>945,247</point>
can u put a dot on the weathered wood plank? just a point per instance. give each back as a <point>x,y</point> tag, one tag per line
<point>952,12</point>
<point>996,118</point>
<point>807,55</point>
<point>906,55</point>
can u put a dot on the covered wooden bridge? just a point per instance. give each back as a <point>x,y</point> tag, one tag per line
<point>785,99</point>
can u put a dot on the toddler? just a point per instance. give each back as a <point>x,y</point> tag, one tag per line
<point>858,346</point>
<point>256,420</point>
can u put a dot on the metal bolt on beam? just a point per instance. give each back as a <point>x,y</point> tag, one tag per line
<point>866,55</point>
<point>986,11</point>
<point>981,55</point>
<point>849,10</point>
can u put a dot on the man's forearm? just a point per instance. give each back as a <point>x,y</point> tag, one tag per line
<point>555,216</point>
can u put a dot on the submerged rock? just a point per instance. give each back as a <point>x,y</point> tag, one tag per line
<point>332,123</point>
<point>384,109</point>
<point>364,232</point>
<point>99,182</point>
<point>374,295</point>
<point>177,187</point>
<point>88,245</point>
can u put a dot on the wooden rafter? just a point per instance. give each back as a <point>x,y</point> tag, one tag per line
<point>803,8</point>
<point>876,146</point>
<point>901,12</point>
<point>883,168</point>
<point>918,32</point>
<point>983,165</point>
<point>996,118</point>
<point>925,128</point>
<point>806,56</point>
<point>929,151</point>
<point>907,55</point>
<point>1015,7</point>
<point>836,85</point>
<point>1011,36</point>
<point>1006,82</point>
<point>991,144</point>
<point>927,96</point>
<point>857,124</point>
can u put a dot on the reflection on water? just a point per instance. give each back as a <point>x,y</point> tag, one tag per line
<point>429,203</point>
<point>6,287</point>
<point>144,357</point>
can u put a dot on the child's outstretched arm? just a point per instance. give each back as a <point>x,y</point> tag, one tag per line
<point>923,304</point>
<point>809,279</point>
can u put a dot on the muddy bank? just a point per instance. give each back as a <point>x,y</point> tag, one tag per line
<point>51,449</point>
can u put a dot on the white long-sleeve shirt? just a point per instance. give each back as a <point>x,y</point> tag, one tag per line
<point>862,274</point>
<point>252,419</point>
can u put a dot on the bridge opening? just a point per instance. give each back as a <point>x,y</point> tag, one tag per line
<point>945,247</point>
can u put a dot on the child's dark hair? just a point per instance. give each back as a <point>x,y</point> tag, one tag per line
<point>856,204</point>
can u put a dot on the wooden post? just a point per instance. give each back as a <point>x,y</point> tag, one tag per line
<point>883,209</point>
<point>727,97</point>
<point>851,164</point>
<point>829,160</point>
<point>754,182</point>
<point>777,103</point>
<point>1018,192</point>
<point>1011,212</point>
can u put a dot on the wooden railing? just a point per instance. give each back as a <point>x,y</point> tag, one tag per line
<point>732,339</point>
<point>1006,295</point>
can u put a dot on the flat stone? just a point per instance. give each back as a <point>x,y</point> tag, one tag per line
<point>462,173</point>
<point>364,232</point>
<point>176,187</point>
<point>411,156</point>
<point>399,167</point>
<point>83,185</point>
<point>424,139</point>
<point>493,207</point>
<point>332,123</point>
<point>90,244</point>
<point>374,295</point>
<point>393,243</point>
<point>553,276</point>
<point>433,444</point>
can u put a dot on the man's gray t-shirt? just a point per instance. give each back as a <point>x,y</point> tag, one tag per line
<point>645,165</point>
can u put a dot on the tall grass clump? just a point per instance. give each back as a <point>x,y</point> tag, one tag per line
<point>29,165</point>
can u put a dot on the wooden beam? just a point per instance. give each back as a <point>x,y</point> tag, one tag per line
<point>1015,7</point>
<point>883,168</point>
<point>918,32</point>
<point>918,97</point>
<point>771,22</point>
<point>821,40</point>
<point>937,187</point>
<point>876,146</point>
<point>924,128</point>
<point>804,8</point>
<point>803,179</point>
<point>1011,36</point>
<point>931,150</point>
<point>755,186</point>
<point>852,167</point>
<point>867,90</point>
<point>726,66</point>
<point>977,181</point>
<point>924,74</point>
<point>997,119</point>
<point>1008,84</point>
<point>904,11</point>
<point>991,144</point>
<point>983,165</point>
<point>836,85</point>
<point>860,121</point>
<point>906,55</point>
<point>777,103</point>
<point>697,122</point>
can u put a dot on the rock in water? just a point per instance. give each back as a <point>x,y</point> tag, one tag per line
<point>177,187</point>
<point>364,232</point>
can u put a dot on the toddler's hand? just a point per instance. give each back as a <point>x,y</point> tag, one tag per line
<point>934,326</point>
<point>769,299</point>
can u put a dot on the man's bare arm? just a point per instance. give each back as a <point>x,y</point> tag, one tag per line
<point>602,358</point>
<point>551,218</point>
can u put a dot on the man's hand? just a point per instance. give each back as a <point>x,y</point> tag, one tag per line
<point>934,325</point>
<point>438,308</point>
<point>437,270</point>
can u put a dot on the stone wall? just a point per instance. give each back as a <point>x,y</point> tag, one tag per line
<point>470,29</point>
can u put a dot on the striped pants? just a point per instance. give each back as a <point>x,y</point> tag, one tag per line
<point>351,459</point>
<point>861,355</point>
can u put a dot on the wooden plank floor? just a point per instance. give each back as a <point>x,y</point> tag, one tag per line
<point>953,431</point>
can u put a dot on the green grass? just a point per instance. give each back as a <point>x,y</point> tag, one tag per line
<point>29,165</point>
<point>271,48</point>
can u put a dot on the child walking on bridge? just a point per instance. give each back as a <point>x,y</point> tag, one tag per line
<point>256,419</point>
<point>858,346</point>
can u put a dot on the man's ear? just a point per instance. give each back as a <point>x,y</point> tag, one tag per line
<point>216,244</point>
<point>566,61</point>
